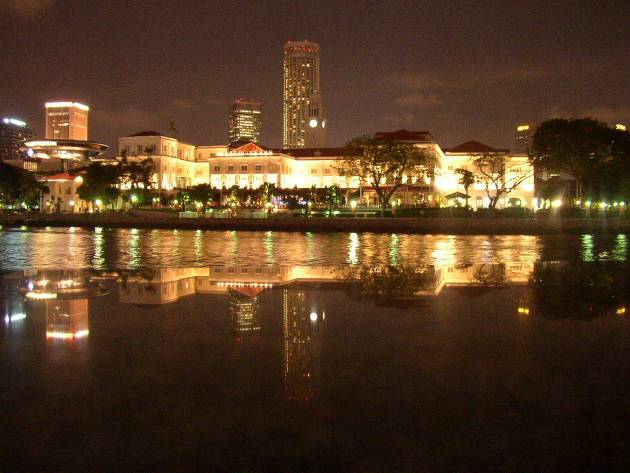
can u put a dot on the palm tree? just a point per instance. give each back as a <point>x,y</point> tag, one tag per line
<point>467,180</point>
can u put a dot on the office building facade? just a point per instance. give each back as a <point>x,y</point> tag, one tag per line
<point>13,134</point>
<point>245,121</point>
<point>66,121</point>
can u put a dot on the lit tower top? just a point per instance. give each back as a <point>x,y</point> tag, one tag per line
<point>245,121</point>
<point>66,121</point>
<point>301,80</point>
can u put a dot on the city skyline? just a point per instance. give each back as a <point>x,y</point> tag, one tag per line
<point>378,80</point>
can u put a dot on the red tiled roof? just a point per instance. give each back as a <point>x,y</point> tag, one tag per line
<point>404,135</point>
<point>474,147</point>
<point>62,176</point>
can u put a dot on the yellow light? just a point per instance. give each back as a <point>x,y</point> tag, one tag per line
<point>621,311</point>
<point>98,202</point>
<point>67,104</point>
<point>78,179</point>
<point>353,204</point>
<point>31,144</point>
<point>134,198</point>
<point>556,203</point>
<point>620,127</point>
<point>522,128</point>
<point>41,295</point>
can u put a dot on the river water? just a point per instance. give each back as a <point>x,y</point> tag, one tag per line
<point>174,350</point>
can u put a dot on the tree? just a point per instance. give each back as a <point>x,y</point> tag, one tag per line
<point>332,197</point>
<point>467,179</point>
<point>500,174</point>
<point>18,186</point>
<point>98,181</point>
<point>267,192</point>
<point>385,165</point>
<point>576,146</point>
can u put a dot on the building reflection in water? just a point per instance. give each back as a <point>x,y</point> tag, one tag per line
<point>62,295</point>
<point>245,311</point>
<point>302,344</point>
<point>67,319</point>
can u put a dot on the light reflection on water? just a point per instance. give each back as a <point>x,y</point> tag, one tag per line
<point>133,248</point>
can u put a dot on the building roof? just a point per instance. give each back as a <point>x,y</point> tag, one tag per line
<point>317,152</point>
<point>61,176</point>
<point>146,133</point>
<point>474,147</point>
<point>405,135</point>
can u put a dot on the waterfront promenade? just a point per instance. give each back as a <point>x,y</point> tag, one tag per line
<point>423,225</point>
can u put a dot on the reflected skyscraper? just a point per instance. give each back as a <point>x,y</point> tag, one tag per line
<point>67,319</point>
<point>302,349</point>
<point>245,311</point>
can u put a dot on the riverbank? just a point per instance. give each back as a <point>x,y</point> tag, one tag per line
<point>451,225</point>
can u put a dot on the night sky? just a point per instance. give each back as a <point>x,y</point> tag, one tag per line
<point>462,70</point>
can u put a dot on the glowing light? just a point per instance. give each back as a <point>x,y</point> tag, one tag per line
<point>78,105</point>
<point>134,198</point>
<point>523,310</point>
<point>313,123</point>
<point>71,203</point>
<point>522,128</point>
<point>32,144</point>
<point>620,127</point>
<point>67,335</point>
<point>98,202</point>
<point>353,205</point>
<point>621,310</point>
<point>78,179</point>
<point>14,317</point>
<point>313,316</point>
<point>556,203</point>
<point>41,295</point>
<point>14,121</point>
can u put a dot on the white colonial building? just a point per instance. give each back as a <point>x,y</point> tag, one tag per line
<point>179,165</point>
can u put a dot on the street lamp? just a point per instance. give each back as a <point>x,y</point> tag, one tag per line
<point>353,205</point>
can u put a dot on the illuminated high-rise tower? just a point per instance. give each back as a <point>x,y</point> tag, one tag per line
<point>522,139</point>
<point>244,124</point>
<point>301,81</point>
<point>66,121</point>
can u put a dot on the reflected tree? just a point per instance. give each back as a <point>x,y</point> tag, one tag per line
<point>579,290</point>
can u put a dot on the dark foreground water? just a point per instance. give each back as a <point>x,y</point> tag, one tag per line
<point>150,351</point>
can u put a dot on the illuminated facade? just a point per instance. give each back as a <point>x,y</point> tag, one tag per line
<point>245,310</point>
<point>463,157</point>
<point>66,121</point>
<point>522,139</point>
<point>62,194</point>
<point>178,164</point>
<point>245,121</point>
<point>13,134</point>
<point>301,81</point>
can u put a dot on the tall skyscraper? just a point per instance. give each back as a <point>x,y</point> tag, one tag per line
<point>66,121</point>
<point>522,139</point>
<point>301,81</point>
<point>13,134</point>
<point>245,121</point>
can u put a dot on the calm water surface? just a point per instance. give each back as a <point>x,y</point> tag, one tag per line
<point>160,350</point>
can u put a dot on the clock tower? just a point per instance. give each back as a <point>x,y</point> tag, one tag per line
<point>315,136</point>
